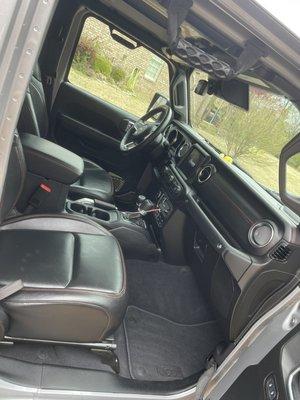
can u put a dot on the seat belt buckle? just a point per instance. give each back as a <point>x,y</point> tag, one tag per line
<point>38,196</point>
<point>45,188</point>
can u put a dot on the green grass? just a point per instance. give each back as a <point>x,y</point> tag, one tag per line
<point>263,167</point>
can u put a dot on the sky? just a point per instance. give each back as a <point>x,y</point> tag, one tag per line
<point>286,11</point>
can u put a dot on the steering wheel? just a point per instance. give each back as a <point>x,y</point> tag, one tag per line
<point>143,132</point>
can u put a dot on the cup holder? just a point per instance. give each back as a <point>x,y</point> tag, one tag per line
<point>85,209</point>
<point>100,214</point>
<point>78,208</point>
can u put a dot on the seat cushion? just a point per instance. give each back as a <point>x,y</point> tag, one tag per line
<point>95,182</point>
<point>74,280</point>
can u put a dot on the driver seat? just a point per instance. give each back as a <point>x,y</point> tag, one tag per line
<point>95,182</point>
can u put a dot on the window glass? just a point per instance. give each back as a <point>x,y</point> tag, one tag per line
<point>252,140</point>
<point>154,68</point>
<point>127,78</point>
<point>292,174</point>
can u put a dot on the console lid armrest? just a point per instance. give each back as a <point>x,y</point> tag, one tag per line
<point>50,160</point>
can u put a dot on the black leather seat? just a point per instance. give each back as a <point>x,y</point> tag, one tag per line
<point>95,181</point>
<point>72,270</point>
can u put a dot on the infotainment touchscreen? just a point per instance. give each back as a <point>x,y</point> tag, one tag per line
<point>192,161</point>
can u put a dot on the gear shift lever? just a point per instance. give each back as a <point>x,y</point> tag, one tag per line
<point>141,198</point>
<point>145,205</point>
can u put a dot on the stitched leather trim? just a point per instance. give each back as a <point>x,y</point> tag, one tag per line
<point>66,216</point>
<point>53,160</point>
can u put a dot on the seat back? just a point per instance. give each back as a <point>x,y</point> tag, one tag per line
<point>34,117</point>
<point>15,178</point>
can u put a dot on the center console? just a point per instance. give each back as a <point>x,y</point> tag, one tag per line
<point>51,170</point>
<point>106,214</point>
<point>130,228</point>
<point>165,207</point>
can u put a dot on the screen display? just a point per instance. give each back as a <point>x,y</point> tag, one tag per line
<point>192,161</point>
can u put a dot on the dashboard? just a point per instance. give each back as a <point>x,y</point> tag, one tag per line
<point>243,217</point>
<point>256,238</point>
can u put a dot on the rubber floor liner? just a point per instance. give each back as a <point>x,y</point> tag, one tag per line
<point>160,350</point>
<point>170,291</point>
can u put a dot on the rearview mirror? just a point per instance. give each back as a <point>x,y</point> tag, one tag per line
<point>289,168</point>
<point>233,91</point>
<point>157,101</point>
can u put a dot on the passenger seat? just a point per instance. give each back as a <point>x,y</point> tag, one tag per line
<point>72,271</point>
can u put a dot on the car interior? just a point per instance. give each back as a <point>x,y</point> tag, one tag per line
<point>134,255</point>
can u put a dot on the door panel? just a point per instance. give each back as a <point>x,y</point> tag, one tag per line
<point>107,77</point>
<point>93,128</point>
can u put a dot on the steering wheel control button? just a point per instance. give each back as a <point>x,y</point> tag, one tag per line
<point>261,233</point>
<point>271,388</point>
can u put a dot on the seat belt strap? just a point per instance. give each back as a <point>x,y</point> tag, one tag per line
<point>11,288</point>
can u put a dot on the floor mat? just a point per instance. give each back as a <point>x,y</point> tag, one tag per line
<point>167,333</point>
<point>167,290</point>
<point>159,349</point>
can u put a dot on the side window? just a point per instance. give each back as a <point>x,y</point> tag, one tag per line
<point>127,78</point>
<point>154,68</point>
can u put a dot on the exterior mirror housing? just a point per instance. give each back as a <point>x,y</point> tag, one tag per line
<point>158,100</point>
<point>289,158</point>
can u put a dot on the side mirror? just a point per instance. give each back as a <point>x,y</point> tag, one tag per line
<point>157,101</point>
<point>289,168</point>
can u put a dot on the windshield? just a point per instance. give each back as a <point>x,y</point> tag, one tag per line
<point>252,140</point>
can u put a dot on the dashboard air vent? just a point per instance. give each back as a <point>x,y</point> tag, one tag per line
<point>281,253</point>
<point>173,136</point>
<point>183,149</point>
